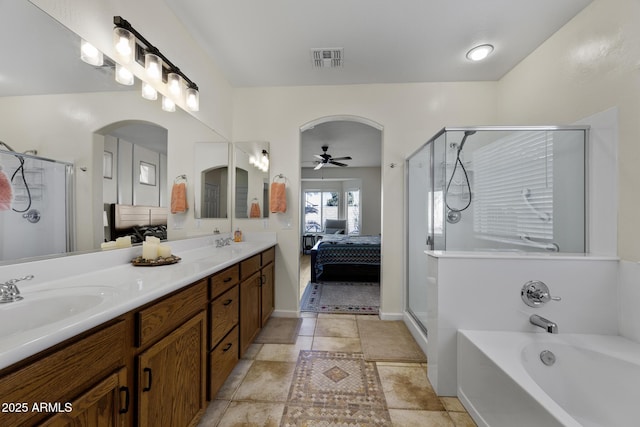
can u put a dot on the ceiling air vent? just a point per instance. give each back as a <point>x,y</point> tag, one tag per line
<point>327,57</point>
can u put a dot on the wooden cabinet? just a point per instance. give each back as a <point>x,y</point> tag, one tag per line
<point>67,373</point>
<point>104,405</point>
<point>171,377</point>
<point>256,295</point>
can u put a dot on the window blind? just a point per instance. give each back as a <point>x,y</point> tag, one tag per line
<point>514,188</point>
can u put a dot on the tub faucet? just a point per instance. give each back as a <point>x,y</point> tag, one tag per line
<point>543,323</point>
<point>9,291</point>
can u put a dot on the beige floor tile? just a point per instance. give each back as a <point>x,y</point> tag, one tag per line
<point>252,351</point>
<point>336,316</point>
<point>308,326</point>
<point>350,345</point>
<point>408,388</point>
<point>234,379</point>
<point>411,418</point>
<point>252,414</point>
<point>266,381</point>
<point>462,419</point>
<point>284,352</point>
<point>213,414</point>
<point>452,404</point>
<point>332,327</point>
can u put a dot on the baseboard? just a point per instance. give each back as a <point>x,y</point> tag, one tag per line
<point>417,332</point>
<point>285,313</point>
<point>391,316</point>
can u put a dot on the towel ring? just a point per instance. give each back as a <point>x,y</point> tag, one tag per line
<point>180,177</point>
<point>280,177</point>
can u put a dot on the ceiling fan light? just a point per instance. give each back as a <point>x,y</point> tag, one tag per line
<point>480,52</point>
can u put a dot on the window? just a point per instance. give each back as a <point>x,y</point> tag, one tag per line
<point>353,211</point>
<point>318,207</point>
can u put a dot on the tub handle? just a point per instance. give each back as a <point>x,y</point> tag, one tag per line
<point>535,293</point>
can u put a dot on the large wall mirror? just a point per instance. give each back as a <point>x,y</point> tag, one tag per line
<point>54,106</point>
<point>251,180</point>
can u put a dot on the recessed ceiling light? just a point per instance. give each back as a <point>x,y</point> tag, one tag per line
<point>479,53</point>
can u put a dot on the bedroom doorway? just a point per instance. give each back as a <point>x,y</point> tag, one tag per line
<point>341,201</point>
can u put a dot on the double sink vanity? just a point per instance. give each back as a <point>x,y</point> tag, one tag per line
<point>97,341</point>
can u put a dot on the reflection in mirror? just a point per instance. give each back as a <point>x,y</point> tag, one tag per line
<point>211,187</point>
<point>252,179</point>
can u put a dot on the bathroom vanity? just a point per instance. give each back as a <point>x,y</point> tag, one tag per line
<point>161,347</point>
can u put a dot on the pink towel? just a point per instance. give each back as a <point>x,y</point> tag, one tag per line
<point>278,197</point>
<point>6,192</point>
<point>179,198</point>
<point>255,210</point>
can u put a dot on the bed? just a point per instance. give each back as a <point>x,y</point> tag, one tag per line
<point>348,258</point>
<point>136,221</point>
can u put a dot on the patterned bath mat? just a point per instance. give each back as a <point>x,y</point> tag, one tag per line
<point>335,389</point>
<point>342,297</point>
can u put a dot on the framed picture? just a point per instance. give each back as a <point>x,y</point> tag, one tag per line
<point>147,173</point>
<point>107,165</point>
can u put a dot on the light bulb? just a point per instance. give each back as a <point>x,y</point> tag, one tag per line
<point>153,66</point>
<point>90,54</point>
<point>479,53</point>
<point>124,44</point>
<point>149,92</point>
<point>174,84</point>
<point>193,99</point>
<point>168,104</point>
<point>124,76</point>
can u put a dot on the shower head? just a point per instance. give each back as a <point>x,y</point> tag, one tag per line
<point>464,138</point>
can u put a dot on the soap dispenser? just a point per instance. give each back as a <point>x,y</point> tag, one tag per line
<point>237,235</point>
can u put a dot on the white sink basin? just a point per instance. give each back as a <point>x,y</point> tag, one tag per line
<point>43,308</point>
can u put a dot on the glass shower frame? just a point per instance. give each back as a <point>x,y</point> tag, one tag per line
<point>426,213</point>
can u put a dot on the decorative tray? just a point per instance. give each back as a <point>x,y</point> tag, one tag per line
<point>141,262</point>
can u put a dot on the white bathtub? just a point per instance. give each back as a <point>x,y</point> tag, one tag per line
<point>595,380</point>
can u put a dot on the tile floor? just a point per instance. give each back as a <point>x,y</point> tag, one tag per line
<point>256,392</point>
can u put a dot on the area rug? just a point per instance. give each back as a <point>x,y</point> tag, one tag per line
<point>280,330</point>
<point>335,389</point>
<point>342,297</point>
<point>388,341</point>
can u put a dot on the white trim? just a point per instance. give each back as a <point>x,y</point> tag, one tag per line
<point>346,118</point>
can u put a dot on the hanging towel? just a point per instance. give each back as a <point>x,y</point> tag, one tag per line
<point>278,198</point>
<point>254,212</point>
<point>6,191</point>
<point>179,198</point>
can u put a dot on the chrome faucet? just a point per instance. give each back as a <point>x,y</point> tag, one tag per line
<point>9,291</point>
<point>543,323</point>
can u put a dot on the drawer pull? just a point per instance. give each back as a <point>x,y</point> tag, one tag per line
<point>227,302</point>
<point>227,347</point>
<point>125,390</point>
<point>149,379</point>
<point>228,279</point>
<point>263,280</point>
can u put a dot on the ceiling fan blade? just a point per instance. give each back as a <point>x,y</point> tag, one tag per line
<point>338,163</point>
<point>319,156</point>
<point>318,166</point>
<point>341,158</point>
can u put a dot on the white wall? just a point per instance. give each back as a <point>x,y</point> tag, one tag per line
<point>409,114</point>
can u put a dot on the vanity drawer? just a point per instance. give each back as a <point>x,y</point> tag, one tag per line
<point>249,266</point>
<point>165,315</point>
<point>63,374</point>
<point>268,256</point>
<point>223,280</point>
<point>224,315</point>
<point>222,359</point>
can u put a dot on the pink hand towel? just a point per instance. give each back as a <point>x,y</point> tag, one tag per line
<point>254,212</point>
<point>179,198</point>
<point>278,197</point>
<point>6,192</point>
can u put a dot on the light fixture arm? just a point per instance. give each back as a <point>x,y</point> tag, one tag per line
<point>120,22</point>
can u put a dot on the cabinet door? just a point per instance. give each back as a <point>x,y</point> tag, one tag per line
<point>250,317</point>
<point>267,292</point>
<point>171,377</point>
<point>104,405</point>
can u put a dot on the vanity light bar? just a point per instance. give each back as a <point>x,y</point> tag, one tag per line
<point>158,67</point>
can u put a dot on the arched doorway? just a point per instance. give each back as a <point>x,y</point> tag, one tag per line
<point>341,182</point>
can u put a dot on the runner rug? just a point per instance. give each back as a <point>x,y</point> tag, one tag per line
<point>335,389</point>
<point>342,297</point>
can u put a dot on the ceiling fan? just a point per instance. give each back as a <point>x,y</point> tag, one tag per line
<point>326,158</point>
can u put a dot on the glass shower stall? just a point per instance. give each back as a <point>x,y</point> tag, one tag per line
<point>494,189</point>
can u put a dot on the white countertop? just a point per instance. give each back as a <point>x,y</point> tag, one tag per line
<point>110,277</point>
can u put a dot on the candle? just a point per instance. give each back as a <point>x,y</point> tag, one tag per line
<point>108,245</point>
<point>149,250</point>
<point>164,251</point>
<point>152,239</point>
<point>123,242</point>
